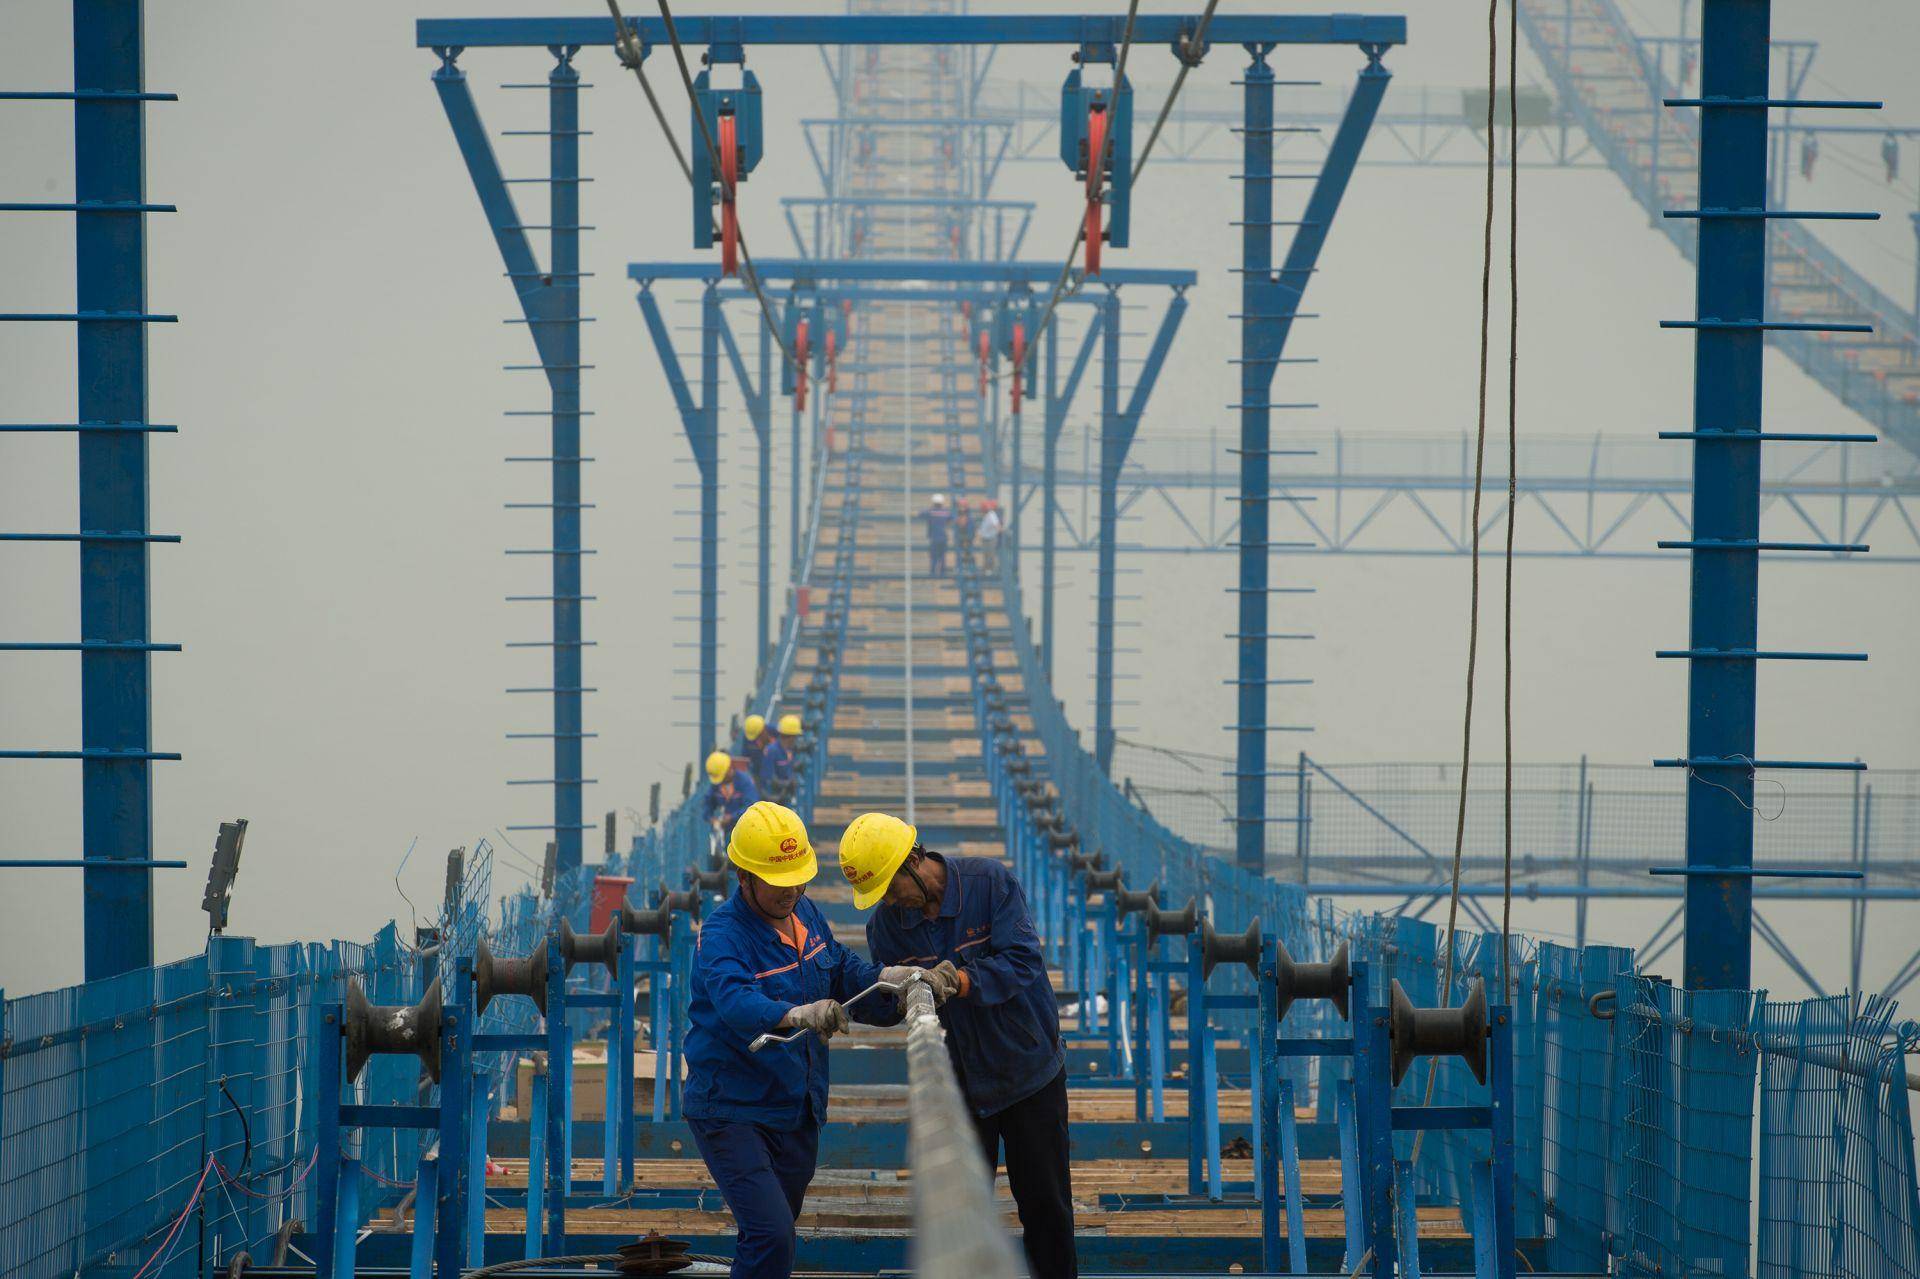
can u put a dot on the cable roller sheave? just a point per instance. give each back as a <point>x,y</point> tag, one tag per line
<point>492,976</point>
<point>391,1029</point>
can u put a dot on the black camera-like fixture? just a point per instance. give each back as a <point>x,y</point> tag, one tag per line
<point>524,976</point>
<point>1331,980</point>
<point>392,1029</point>
<point>1439,1032</point>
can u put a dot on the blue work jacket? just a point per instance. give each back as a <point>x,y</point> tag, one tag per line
<point>729,807</point>
<point>745,978</point>
<point>1004,1033</point>
<point>775,766</point>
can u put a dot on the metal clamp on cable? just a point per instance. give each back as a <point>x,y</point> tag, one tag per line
<point>892,988</point>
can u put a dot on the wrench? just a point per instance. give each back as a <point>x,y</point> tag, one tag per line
<point>891,987</point>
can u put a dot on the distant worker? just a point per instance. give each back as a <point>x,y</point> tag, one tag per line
<point>785,775</point>
<point>989,537</point>
<point>968,917</point>
<point>774,771</point>
<point>767,961</point>
<point>733,792</point>
<point>754,730</point>
<point>938,519</point>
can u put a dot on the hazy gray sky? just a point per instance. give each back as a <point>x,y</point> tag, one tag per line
<point>339,484</point>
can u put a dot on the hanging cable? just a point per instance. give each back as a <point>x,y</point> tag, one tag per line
<point>1196,49</point>
<point>1513,488</point>
<point>1473,588</point>
<point>1095,167</point>
<point>626,46</point>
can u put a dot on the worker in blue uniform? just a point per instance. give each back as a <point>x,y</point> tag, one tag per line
<point>966,918</point>
<point>732,792</point>
<point>753,731</point>
<point>767,961</point>
<point>775,771</point>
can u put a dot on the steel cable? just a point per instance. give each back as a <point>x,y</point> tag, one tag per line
<point>956,1226</point>
<point>626,46</point>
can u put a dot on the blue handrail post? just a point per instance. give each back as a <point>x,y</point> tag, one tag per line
<point>116,718</point>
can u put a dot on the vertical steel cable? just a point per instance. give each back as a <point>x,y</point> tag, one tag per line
<point>956,1227</point>
<point>1513,483</point>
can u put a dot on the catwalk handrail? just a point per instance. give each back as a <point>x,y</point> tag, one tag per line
<point>956,1226</point>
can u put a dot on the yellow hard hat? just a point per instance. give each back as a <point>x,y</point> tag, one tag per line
<point>770,841</point>
<point>719,764</point>
<point>754,726</point>
<point>871,852</point>
<point>790,726</point>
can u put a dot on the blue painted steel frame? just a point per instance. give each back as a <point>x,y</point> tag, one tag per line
<point>997,29</point>
<point>1059,401</point>
<point>550,307</point>
<point>1269,302</point>
<point>1730,328</point>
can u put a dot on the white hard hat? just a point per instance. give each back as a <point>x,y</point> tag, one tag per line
<point>939,499</point>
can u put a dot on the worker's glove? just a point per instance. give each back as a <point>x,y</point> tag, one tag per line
<point>946,980</point>
<point>824,1017</point>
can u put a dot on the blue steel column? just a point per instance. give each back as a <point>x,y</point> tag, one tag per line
<point>793,464</point>
<point>760,401</point>
<point>1269,302</point>
<point>1256,260</point>
<point>1113,452</point>
<point>116,713</point>
<point>1730,285</point>
<point>563,377</point>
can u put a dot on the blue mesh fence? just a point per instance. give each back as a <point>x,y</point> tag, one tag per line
<point>1837,1193</point>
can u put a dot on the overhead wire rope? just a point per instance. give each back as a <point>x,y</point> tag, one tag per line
<point>1513,483</point>
<point>626,47</point>
<point>1473,588</point>
<point>1060,289</point>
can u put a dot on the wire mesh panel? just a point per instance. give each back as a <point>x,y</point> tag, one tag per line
<point>1580,1069</point>
<point>1690,1096</point>
<point>1837,1198</point>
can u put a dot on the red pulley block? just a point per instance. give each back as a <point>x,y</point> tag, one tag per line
<point>1019,361</point>
<point>800,358</point>
<point>833,359</point>
<point>729,184</point>
<point>986,354</point>
<point>1096,168</point>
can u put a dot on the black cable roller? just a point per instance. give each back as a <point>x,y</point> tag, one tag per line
<point>392,1029</point>
<point>1229,948</point>
<point>524,976</point>
<point>1106,881</point>
<point>602,948</point>
<point>687,903</point>
<point>1439,1032</point>
<point>1173,923</point>
<point>708,881</point>
<point>1311,981</point>
<point>1137,903</point>
<point>654,922</point>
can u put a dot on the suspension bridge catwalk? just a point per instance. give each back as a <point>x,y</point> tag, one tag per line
<point>1247,1066</point>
